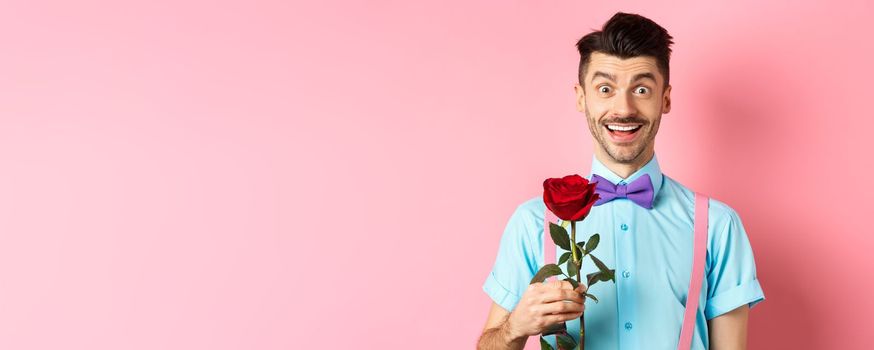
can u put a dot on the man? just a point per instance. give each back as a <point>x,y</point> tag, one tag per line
<point>623,90</point>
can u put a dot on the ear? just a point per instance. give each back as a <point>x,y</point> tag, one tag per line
<point>666,103</point>
<point>581,97</point>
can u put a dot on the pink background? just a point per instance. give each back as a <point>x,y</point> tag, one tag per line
<point>231,175</point>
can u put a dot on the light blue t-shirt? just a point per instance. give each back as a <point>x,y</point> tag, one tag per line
<point>651,250</point>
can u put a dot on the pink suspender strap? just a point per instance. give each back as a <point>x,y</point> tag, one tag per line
<point>548,246</point>
<point>697,278</point>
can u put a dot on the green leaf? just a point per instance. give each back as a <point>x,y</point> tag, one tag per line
<point>564,257</point>
<point>544,345</point>
<point>565,223</point>
<point>592,278</point>
<point>559,236</point>
<point>600,264</point>
<point>545,272</point>
<point>573,282</point>
<point>592,297</point>
<point>565,341</point>
<point>593,242</point>
<point>571,268</point>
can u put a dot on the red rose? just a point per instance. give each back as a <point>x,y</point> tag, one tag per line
<point>570,198</point>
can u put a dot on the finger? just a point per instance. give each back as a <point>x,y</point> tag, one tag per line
<point>574,295</point>
<point>560,284</point>
<point>582,288</point>
<point>558,318</point>
<point>560,307</point>
<point>559,295</point>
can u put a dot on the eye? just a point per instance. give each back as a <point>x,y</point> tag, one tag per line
<point>603,89</point>
<point>642,90</point>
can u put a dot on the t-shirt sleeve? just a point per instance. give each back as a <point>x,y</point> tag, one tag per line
<point>731,278</point>
<point>516,261</point>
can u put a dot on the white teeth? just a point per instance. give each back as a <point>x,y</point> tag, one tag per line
<point>622,128</point>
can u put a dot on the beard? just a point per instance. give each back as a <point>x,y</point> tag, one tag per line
<point>626,153</point>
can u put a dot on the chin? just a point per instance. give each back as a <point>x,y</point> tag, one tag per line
<point>625,156</point>
<point>624,160</point>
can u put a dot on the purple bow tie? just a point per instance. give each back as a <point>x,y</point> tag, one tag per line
<point>639,191</point>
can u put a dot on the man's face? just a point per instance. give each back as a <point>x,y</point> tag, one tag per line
<point>621,94</point>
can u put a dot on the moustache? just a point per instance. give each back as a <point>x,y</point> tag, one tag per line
<point>626,120</point>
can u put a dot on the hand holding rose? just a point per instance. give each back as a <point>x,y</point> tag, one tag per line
<point>545,304</point>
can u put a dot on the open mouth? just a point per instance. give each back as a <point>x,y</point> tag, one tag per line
<point>623,132</point>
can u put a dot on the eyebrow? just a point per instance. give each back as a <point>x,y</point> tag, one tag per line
<point>612,77</point>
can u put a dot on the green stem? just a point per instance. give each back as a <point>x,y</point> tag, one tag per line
<point>574,241</point>
<point>578,264</point>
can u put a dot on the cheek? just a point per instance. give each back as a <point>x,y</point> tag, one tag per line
<point>596,107</point>
<point>650,108</point>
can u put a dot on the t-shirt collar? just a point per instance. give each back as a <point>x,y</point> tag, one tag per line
<point>651,168</point>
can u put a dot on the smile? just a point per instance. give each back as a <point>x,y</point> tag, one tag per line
<point>622,133</point>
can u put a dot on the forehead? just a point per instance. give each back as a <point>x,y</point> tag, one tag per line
<point>622,68</point>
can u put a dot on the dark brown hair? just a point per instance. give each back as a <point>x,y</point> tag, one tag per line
<point>627,35</point>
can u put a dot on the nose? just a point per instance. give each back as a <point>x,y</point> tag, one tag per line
<point>623,104</point>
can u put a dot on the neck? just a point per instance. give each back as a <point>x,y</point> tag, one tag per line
<point>624,170</point>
